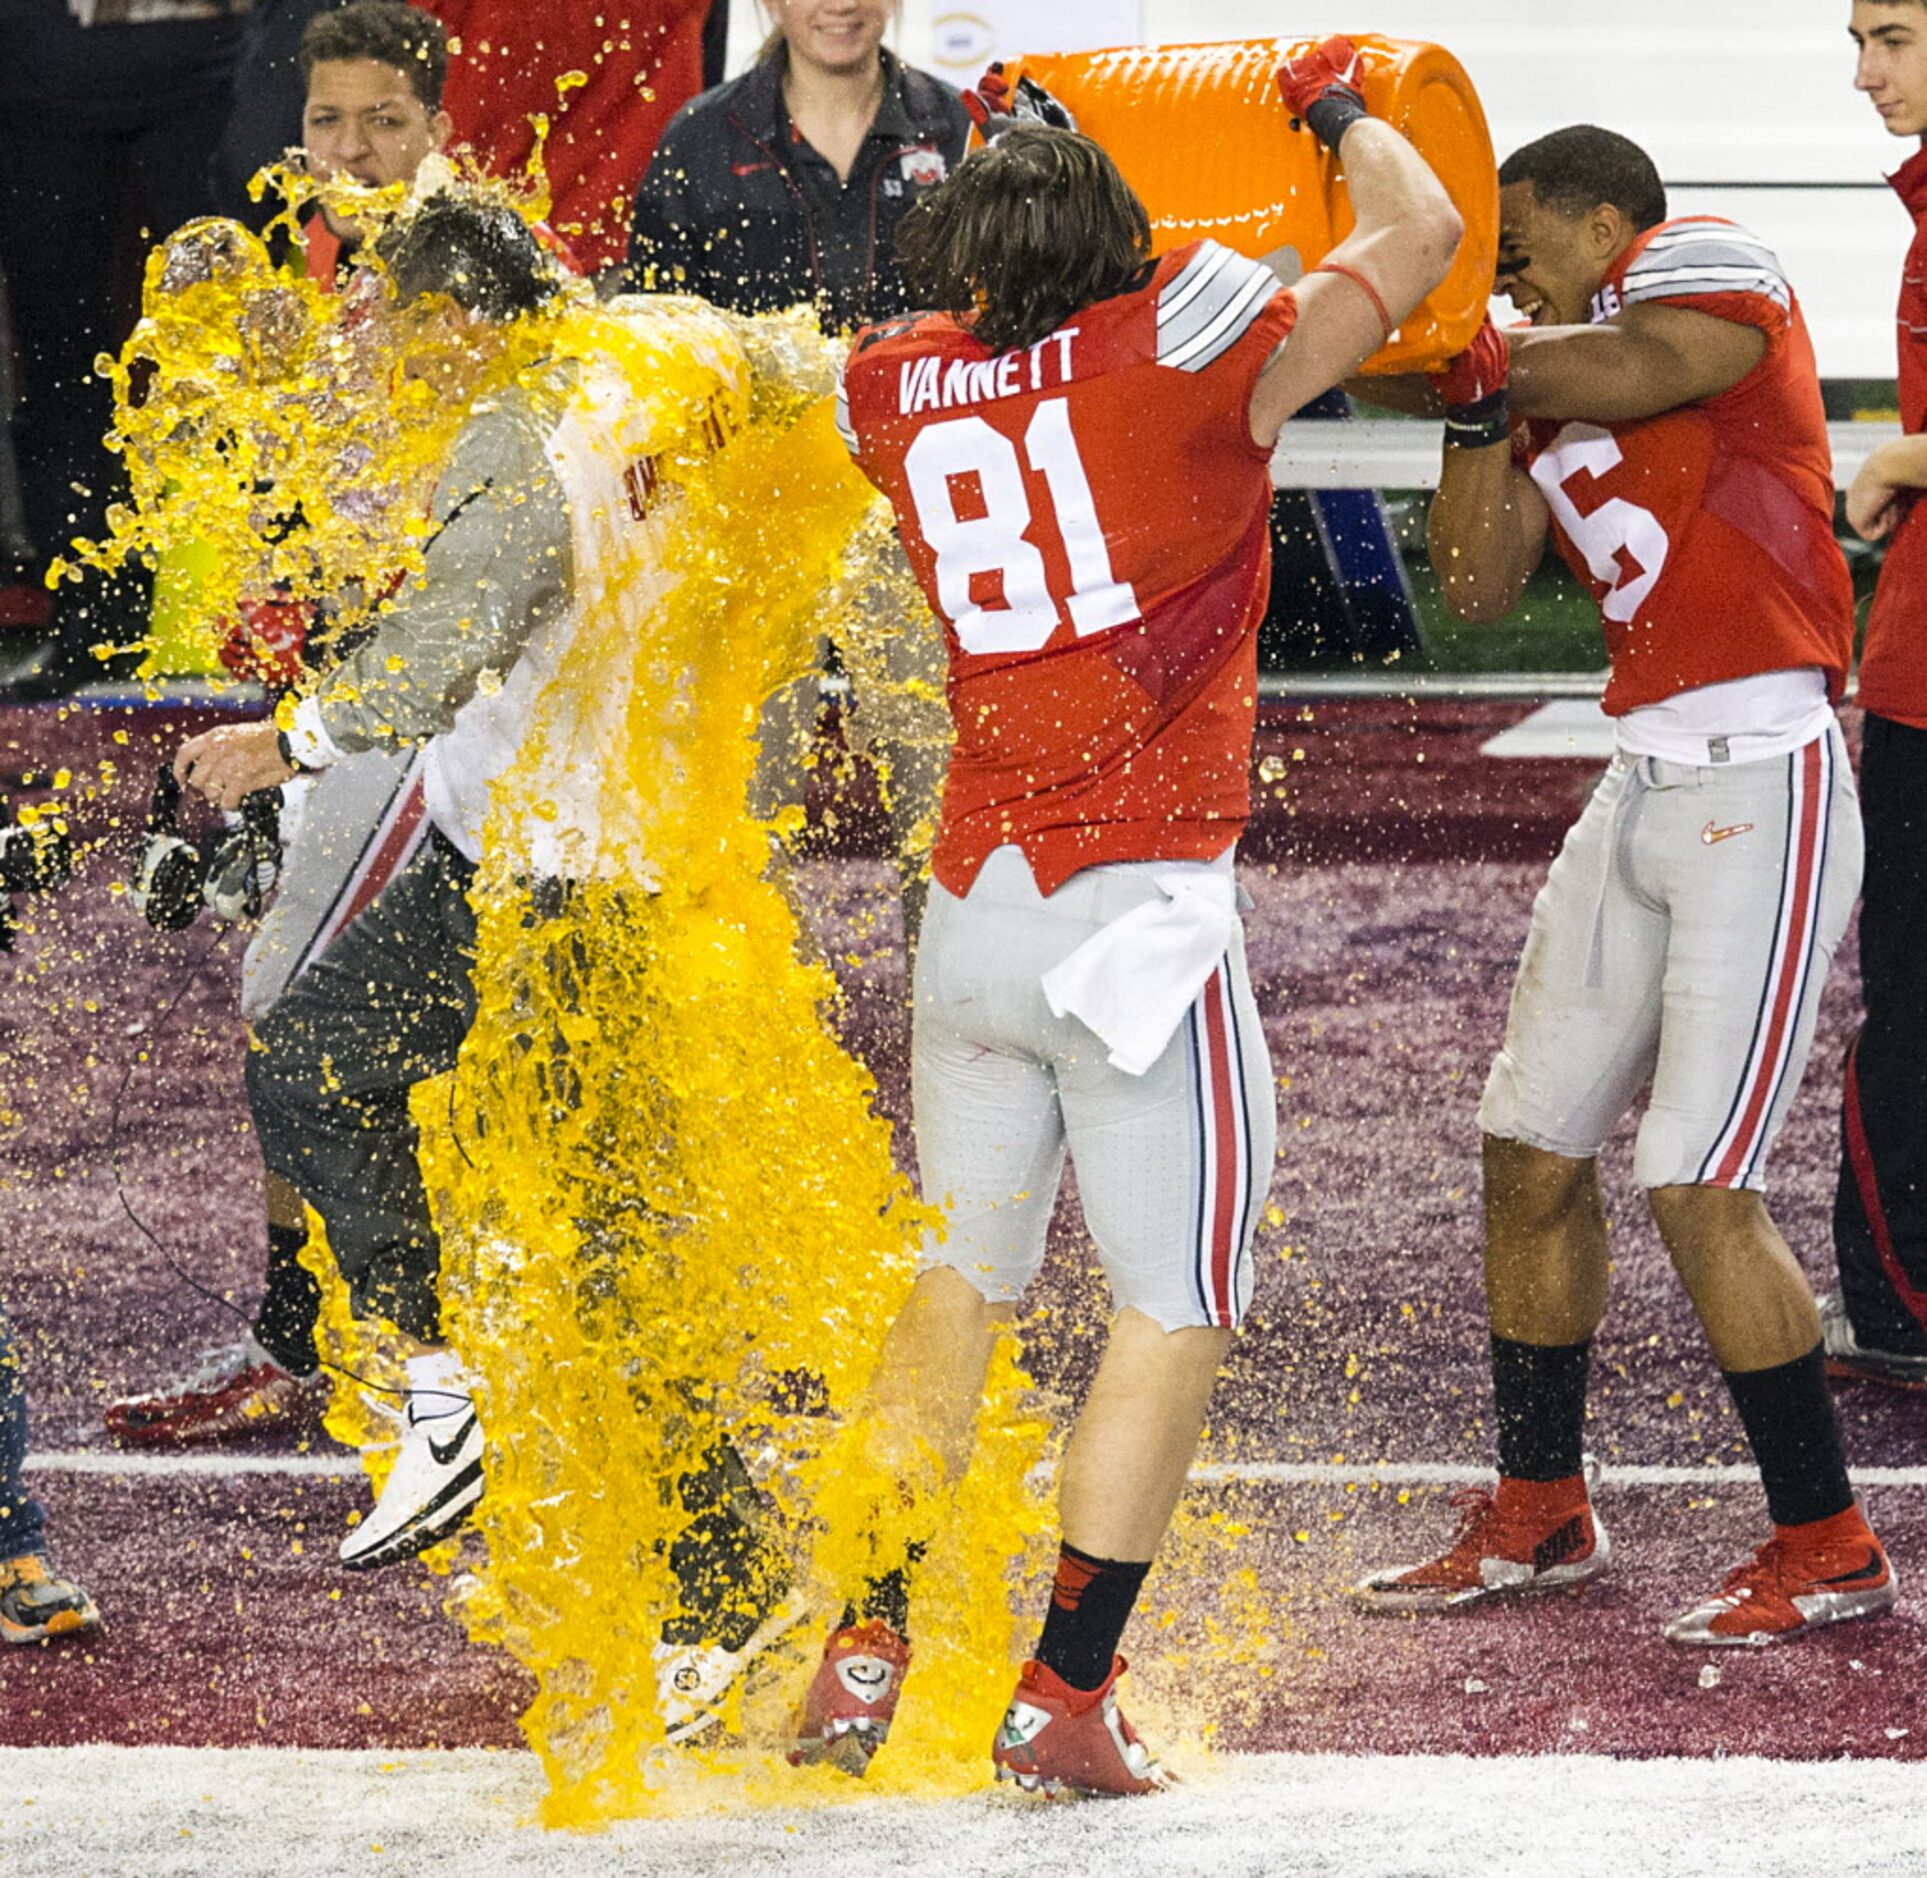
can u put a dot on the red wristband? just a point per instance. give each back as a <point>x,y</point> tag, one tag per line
<point>1365,287</point>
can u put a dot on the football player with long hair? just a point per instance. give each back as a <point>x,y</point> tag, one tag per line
<point>1076,446</point>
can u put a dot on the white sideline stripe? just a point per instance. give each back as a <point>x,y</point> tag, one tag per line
<point>1453,1474</point>
<point>1565,727</point>
<point>1252,1473</point>
<point>165,1466</point>
<point>1403,453</point>
<point>118,1812</point>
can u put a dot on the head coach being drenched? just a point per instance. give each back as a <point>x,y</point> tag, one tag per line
<point>1076,450</point>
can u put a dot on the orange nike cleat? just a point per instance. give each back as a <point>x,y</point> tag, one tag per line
<point>1056,1739</point>
<point>852,1699</point>
<point>1527,1536</point>
<point>37,1604</point>
<point>1803,1578</point>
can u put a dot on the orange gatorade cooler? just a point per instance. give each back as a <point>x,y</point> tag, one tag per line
<point>1201,135</point>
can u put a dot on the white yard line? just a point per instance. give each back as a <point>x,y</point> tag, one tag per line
<point>239,1812</point>
<point>1270,1473</point>
<point>172,1466</point>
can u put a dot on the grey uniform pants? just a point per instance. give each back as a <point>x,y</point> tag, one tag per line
<point>385,1007</point>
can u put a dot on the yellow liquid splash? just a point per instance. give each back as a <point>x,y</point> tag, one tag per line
<point>670,1210</point>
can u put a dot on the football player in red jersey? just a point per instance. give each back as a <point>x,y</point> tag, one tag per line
<point>1876,1325</point>
<point>1673,445</point>
<point>1076,449</point>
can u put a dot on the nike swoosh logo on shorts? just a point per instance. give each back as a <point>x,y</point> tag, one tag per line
<point>1712,832</point>
<point>444,1452</point>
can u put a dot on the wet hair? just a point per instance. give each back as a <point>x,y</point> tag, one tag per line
<point>1027,232</point>
<point>480,254</point>
<point>413,42</point>
<point>1576,169</point>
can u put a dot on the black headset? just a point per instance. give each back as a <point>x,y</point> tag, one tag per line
<point>173,880</point>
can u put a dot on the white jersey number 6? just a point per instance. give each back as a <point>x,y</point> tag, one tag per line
<point>1623,544</point>
<point>998,542</point>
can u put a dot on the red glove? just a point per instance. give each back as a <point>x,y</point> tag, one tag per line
<point>1320,88</point>
<point>265,643</point>
<point>1472,389</point>
<point>995,105</point>
<point>1477,372</point>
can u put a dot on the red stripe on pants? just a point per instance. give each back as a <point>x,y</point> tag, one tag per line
<point>396,846</point>
<point>1860,1155</point>
<point>1224,1126</point>
<point>1792,965</point>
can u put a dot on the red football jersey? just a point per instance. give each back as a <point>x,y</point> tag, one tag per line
<point>1706,533</point>
<point>1088,518</point>
<point>631,67</point>
<point>1893,662</point>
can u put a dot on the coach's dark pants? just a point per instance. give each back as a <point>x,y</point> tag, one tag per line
<point>385,1007</point>
<point>1880,1205</point>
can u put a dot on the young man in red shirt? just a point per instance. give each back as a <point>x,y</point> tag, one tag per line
<point>1675,448</point>
<point>1877,1326</point>
<point>1077,453</point>
<point>374,72</point>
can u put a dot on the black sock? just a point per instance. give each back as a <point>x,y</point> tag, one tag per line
<point>1090,1603</point>
<point>886,1597</point>
<point>291,1306</point>
<point>1789,1420</point>
<point>1539,1391</point>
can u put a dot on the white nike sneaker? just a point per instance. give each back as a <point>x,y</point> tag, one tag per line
<point>436,1479</point>
<point>693,1680</point>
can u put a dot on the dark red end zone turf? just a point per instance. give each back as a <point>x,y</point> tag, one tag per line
<point>1392,896</point>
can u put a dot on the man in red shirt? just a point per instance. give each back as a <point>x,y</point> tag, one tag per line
<point>1877,1325</point>
<point>1077,453</point>
<point>1675,448</point>
<point>372,114</point>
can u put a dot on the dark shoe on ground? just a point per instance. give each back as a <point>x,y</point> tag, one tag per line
<point>1846,1355</point>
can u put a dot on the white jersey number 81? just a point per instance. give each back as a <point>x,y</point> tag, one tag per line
<point>998,541</point>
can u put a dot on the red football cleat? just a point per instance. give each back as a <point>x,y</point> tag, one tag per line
<point>1526,1537</point>
<point>853,1697</point>
<point>1803,1578</point>
<point>236,1389</point>
<point>1056,1739</point>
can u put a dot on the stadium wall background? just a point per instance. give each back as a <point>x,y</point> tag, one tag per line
<point>1747,106</point>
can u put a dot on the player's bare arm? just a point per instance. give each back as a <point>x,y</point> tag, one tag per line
<point>1403,245</point>
<point>1486,532</point>
<point>1873,501</point>
<point>1643,361</point>
<point>1488,524</point>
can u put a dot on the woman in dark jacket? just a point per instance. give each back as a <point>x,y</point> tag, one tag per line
<point>787,184</point>
<point>784,186</point>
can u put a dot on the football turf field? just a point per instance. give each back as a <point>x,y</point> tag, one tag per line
<point>249,1708</point>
